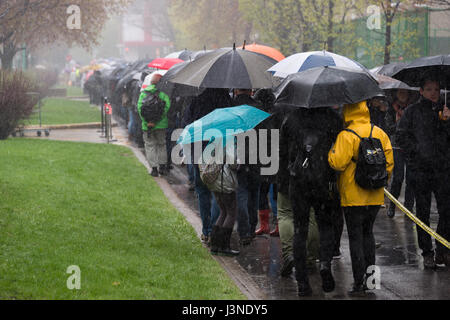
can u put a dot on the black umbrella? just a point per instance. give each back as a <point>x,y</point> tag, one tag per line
<point>388,83</point>
<point>390,69</point>
<point>326,86</point>
<point>176,89</point>
<point>413,73</point>
<point>227,68</point>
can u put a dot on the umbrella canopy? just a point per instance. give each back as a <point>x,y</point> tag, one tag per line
<point>413,72</point>
<point>326,86</point>
<point>388,83</point>
<point>184,55</point>
<point>306,60</point>
<point>389,69</point>
<point>235,120</point>
<point>164,63</point>
<point>265,50</point>
<point>227,68</point>
<point>176,89</point>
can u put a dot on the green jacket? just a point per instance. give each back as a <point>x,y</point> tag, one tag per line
<point>164,122</point>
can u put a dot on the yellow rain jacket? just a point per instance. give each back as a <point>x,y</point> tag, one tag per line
<point>346,147</point>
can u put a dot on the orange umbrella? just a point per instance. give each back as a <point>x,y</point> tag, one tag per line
<point>265,50</point>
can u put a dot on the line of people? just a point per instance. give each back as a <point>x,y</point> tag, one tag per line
<point>318,152</point>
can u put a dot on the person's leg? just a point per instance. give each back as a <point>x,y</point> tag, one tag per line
<point>368,236</point>
<point>150,146</point>
<point>254,183</point>
<point>313,241</point>
<point>353,219</point>
<point>162,150</point>
<point>215,209</point>
<point>409,188</point>
<point>204,201</point>
<point>338,219</point>
<point>442,194</point>
<point>397,180</point>
<point>227,203</point>
<point>263,209</point>
<point>286,226</point>
<point>300,208</point>
<point>242,206</point>
<point>422,192</point>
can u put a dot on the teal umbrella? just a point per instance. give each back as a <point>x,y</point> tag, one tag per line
<point>221,123</point>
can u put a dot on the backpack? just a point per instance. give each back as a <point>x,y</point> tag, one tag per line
<point>371,170</point>
<point>152,107</point>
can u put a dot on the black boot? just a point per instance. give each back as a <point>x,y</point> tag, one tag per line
<point>327,277</point>
<point>163,170</point>
<point>225,249</point>
<point>215,238</point>
<point>391,211</point>
<point>304,289</point>
<point>154,172</point>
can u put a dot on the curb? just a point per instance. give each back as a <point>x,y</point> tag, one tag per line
<point>239,276</point>
<point>89,125</point>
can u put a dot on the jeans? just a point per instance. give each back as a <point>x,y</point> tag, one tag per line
<point>209,209</point>
<point>360,222</point>
<point>273,199</point>
<point>190,171</point>
<point>131,121</point>
<point>227,204</point>
<point>247,197</point>
<point>398,177</point>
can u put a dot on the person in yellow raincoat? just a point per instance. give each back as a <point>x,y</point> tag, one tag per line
<point>360,205</point>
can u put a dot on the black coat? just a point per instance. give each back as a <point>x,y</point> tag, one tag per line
<point>424,138</point>
<point>325,120</point>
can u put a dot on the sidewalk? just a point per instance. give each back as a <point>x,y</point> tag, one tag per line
<point>255,270</point>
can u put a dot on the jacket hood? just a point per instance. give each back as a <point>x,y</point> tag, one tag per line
<point>356,112</point>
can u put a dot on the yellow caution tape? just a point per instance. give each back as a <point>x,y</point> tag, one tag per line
<point>416,220</point>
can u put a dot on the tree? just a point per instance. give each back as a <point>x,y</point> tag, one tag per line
<point>34,23</point>
<point>209,23</point>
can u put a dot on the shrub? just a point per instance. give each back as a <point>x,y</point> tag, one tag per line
<point>15,103</point>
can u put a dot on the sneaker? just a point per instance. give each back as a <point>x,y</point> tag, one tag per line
<point>287,267</point>
<point>357,291</point>
<point>304,289</point>
<point>154,172</point>
<point>327,278</point>
<point>439,259</point>
<point>428,261</point>
<point>204,238</point>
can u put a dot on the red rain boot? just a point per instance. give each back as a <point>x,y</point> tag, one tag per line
<point>275,232</point>
<point>263,222</point>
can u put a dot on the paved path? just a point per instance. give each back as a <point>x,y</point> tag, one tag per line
<point>256,269</point>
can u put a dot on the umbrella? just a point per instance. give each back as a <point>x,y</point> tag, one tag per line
<point>306,60</point>
<point>265,50</point>
<point>388,83</point>
<point>388,69</point>
<point>184,55</point>
<point>198,54</point>
<point>326,86</point>
<point>235,120</point>
<point>413,72</point>
<point>164,63</point>
<point>227,68</point>
<point>175,89</point>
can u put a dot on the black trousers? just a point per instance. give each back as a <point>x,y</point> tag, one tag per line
<point>426,182</point>
<point>360,222</point>
<point>302,201</point>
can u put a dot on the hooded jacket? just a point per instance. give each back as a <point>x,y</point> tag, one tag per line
<point>164,122</point>
<point>357,118</point>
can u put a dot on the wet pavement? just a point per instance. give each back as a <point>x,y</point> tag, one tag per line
<point>399,260</point>
<point>401,270</point>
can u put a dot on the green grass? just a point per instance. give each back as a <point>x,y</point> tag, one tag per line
<point>71,91</point>
<point>63,111</point>
<point>95,206</point>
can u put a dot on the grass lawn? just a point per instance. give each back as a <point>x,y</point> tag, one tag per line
<point>95,206</point>
<point>63,111</point>
<point>71,91</point>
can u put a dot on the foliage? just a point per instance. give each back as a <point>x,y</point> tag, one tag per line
<point>15,103</point>
<point>35,23</point>
<point>43,79</point>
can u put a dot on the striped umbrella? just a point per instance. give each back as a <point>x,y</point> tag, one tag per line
<point>227,68</point>
<point>306,60</point>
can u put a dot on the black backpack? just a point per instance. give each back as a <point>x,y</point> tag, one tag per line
<point>152,107</point>
<point>371,170</point>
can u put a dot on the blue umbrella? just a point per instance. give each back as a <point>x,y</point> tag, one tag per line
<point>221,123</point>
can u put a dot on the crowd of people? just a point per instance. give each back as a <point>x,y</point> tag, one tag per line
<point>413,129</point>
